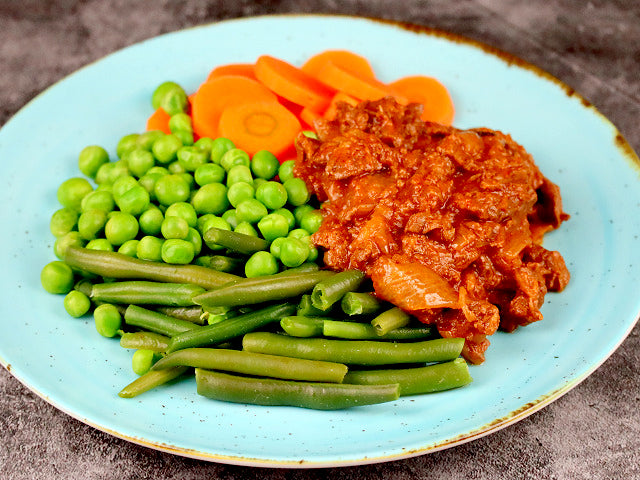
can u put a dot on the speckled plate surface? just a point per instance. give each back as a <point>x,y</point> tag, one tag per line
<point>67,363</point>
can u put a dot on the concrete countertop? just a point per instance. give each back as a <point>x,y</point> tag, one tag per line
<point>592,432</point>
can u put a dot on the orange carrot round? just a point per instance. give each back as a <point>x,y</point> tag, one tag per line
<point>214,96</point>
<point>359,87</point>
<point>259,126</point>
<point>438,106</point>
<point>159,120</point>
<point>241,69</point>
<point>308,116</point>
<point>292,83</point>
<point>350,61</point>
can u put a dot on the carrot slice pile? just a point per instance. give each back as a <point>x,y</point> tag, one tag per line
<point>433,95</point>
<point>264,105</point>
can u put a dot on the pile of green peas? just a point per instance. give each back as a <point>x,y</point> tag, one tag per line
<point>156,200</point>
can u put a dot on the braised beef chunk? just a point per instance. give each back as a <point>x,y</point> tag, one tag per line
<point>447,222</point>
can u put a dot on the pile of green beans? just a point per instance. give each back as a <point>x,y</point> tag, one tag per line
<point>200,259</point>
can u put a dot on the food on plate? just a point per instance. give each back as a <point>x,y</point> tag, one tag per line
<point>448,223</point>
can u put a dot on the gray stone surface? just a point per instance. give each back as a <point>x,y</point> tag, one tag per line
<point>593,432</point>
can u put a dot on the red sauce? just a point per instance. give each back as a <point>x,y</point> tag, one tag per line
<point>448,223</point>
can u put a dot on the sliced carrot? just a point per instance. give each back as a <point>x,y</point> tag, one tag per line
<point>214,96</point>
<point>308,116</point>
<point>350,61</point>
<point>359,87</point>
<point>330,112</point>
<point>259,126</point>
<point>292,83</point>
<point>159,120</point>
<point>438,106</point>
<point>242,69</point>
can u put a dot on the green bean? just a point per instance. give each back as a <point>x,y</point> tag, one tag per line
<point>365,331</point>
<point>220,263</point>
<point>238,242</point>
<point>231,328</point>
<point>136,316</point>
<point>412,381</point>
<point>306,308</point>
<point>262,391</point>
<point>119,266</point>
<point>150,380</point>
<point>144,340</point>
<point>256,364</point>
<point>141,292</point>
<point>330,291</point>
<point>359,303</point>
<point>190,314</point>
<point>390,320</point>
<point>300,326</point>
<point>262,289</point>
<point>356,352</point>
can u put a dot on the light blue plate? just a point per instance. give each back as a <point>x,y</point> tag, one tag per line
<point>67,363</point>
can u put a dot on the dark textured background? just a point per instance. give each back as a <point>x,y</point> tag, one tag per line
<point>593,432</point>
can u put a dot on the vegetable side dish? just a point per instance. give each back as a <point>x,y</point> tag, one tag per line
<point>448,223</point>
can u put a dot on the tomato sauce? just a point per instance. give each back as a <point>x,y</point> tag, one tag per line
<point>448,223</point>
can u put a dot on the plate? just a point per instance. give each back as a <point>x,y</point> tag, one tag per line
<point>64,361</point>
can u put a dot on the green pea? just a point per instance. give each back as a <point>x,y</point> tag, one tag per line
<point>146,140</point>
<point>148,182</point>
<point>100,244</point>
<point>142,360</point>
<point>171,189</point>
<point>214,222</point>
<point>183,210</point>
<point>107,320</point>
<point>121,227</point>
<point>174,227</point>
<point>76,303</point>
<point>231,217</point>
<point>104,173</point>
<point>273,226</point>
<point>260,264</point>
<point>272,194</point>
<point>202,222</point>
<point>72,191</point>
<point>185,136</point>
<point>134,201</point>
<point>246,228</point>
<point>219,147</point>
<point>286,213</point>
<point>239,173</point>
<point>61,244</point>
<point>150,248</point>
<point>63,221</point>
<point>158,170</point>
<point>189,180</point>
<point>276,246</point>
<point>285,172</point>
<point>209,173</point>
<point>191,158</point>
<point>258,181</point>
<point>174,100</point>
<point>204,144</point>
<point>160,91</point>
<point>165,149</point>
<point>301,211</point>
<point>299,233</point>
<point>57,277</point>
<point>99,199</point>
<point>177,251</point>
<point>122,185</point>
<point>195,238</point>
<point>180,121</point>
<point>234,157</point>
<point>264,164</point>
<point>91,158</point>
<point>238,192</point>
<point>311,221</point>
<point>293,252</point>
<point>129,248</point>
<point>313,254</point>
<point>150,221</point>
<point>210,198</point>
<point>250,210</point>
<point>91,223</point>
<point>140,161</point>
<point>176,167</point>
<point>297,191</point>
<point>127,144</point>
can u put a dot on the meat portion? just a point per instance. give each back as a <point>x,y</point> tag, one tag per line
<point>447,223</point>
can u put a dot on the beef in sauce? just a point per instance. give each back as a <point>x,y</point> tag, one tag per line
<point>448,223</point>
